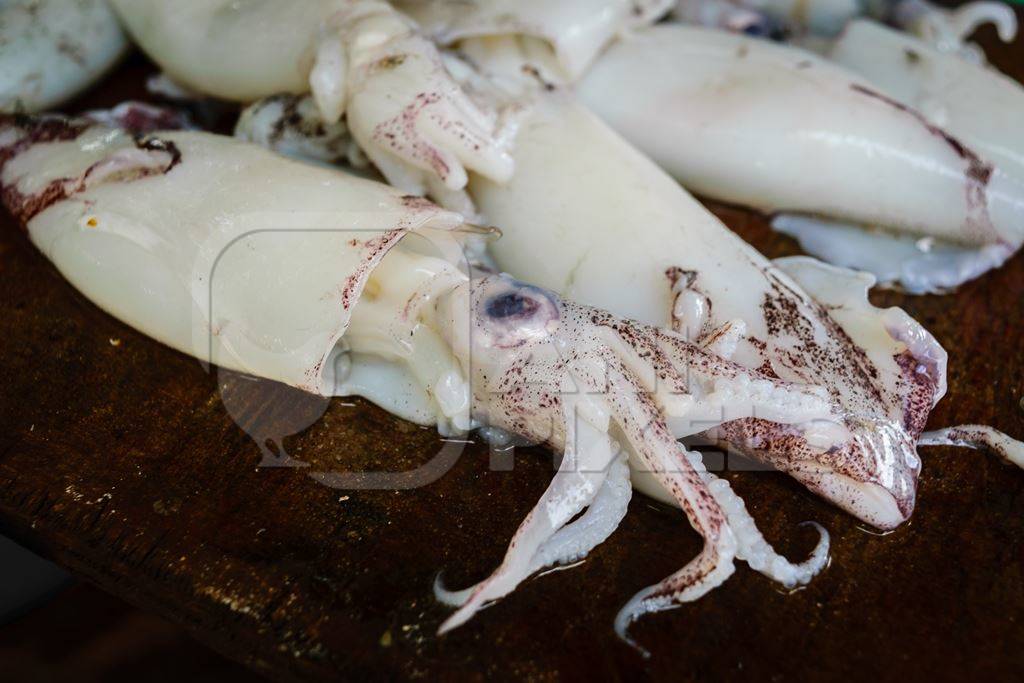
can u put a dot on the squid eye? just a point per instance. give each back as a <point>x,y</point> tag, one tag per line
<point>765,27</point>
<point>513,313</point>
<point>511,305</point>
<point>756,29</point>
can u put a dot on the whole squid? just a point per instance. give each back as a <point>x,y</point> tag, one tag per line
<point>338,285</point>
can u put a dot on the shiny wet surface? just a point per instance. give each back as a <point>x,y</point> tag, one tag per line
<point>125,463</point>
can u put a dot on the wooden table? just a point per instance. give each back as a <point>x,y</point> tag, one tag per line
<point>121,460</point>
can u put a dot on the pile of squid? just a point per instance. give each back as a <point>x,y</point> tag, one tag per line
<point>333,243</point>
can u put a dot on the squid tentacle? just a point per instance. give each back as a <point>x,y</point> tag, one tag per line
<point>732,391</point>
<point>977,437</point>
<point>584,467</point>
<point>658,450</point>
<point>541,362</point>
<point>764,396</point>
<point>965,19</point>
<point>575,540</point>
<point>752,547</point>
<point>947,29</point>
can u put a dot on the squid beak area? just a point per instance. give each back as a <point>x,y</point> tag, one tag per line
<point>872,476</point>
<point>872,503</point>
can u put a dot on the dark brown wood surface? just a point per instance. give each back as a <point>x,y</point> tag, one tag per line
<point>125,463</point>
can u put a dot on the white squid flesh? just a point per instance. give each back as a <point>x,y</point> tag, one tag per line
<point>784,131</point>
<point>50,50</point>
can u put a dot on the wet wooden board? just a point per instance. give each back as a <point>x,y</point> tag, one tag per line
<point>125,462</point>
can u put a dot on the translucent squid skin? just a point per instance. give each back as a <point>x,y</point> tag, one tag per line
<point>338,286</point>
<point>50,50</point>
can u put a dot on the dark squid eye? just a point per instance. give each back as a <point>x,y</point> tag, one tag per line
<point>766,27</point>
<point>511,305</point>
<point>513,313</point>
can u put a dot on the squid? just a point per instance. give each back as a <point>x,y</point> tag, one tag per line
<point>858,175</point>
<point>50,50</point>
<point>902,192</point>
<point>359,58</point>
<point>338,285</point>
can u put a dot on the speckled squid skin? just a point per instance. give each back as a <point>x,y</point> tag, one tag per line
<point>12,143</point>
<point>550,369</point>
<point>884,418</point>
<point>519,371</point>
